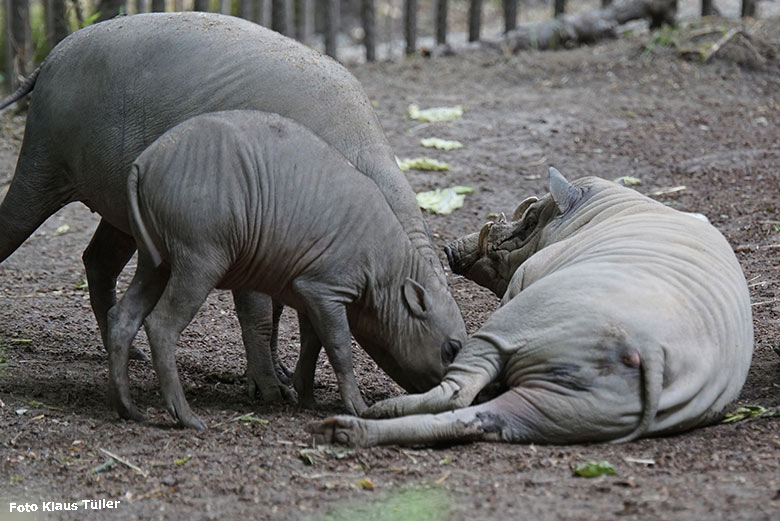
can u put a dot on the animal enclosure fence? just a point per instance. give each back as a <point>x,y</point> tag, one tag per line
<point>32,27</point>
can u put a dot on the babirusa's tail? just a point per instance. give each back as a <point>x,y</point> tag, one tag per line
<point>142,236</point>
<point>23,90</point>
<point>652,386</point>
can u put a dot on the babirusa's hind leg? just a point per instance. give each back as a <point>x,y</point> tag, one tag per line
<point>490,421</point>
<point>187,288</point>
<point>256,315</point>
<point>124,320</point>
<point>36,192</point>
<point>107,253</point>
<point>282,372</point>
<point>303,379</point>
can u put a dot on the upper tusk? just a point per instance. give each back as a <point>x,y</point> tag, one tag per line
<point>482,242</point>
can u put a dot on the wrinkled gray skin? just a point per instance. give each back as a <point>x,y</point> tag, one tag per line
<point>107,91</point>
<point>272,222</point>
<point>620,318</point>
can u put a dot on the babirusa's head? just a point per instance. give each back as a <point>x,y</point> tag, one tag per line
<point>491,256</point>
<point>415,334</point>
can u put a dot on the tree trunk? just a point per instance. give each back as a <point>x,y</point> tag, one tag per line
<point>368,16</point>
<point>510,15</point>
<point>475,20</point>
<point>158,6</point>
<point>201,5</point>
<point>586,27</point>
<point>109,9</point>
<point>559,7</point>
<point>56,21</point>
<point>441,21</point>
<point>410,25</point>
<point>605,3</point>
<point>18,46</point>
<point>707,8</point>
<point>224,6</point>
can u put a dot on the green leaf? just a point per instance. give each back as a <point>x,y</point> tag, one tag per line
<point>592,469</point>
<point>183,460</point>
<point>434,114</point>
<point>747,412</point>
<point>423,163</point>
<point>443,200</point>
<point>307,456</point>
<point>440,144</point>
<point>21,341</point>
<point>627,180</point>
<point>90,20</point>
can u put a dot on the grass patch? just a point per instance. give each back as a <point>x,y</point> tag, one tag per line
<point>413,503</point>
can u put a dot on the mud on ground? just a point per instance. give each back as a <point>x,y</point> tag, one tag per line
<point>609,110</point>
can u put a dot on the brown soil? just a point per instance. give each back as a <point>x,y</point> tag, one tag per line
<point>608,110</point>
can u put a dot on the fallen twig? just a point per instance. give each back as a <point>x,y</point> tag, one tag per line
<point>731,33</point>
<point>124,462</point>
<point>756,304</point>
<point>672,190</point>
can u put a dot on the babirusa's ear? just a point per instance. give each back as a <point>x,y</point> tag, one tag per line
<point>417,298</point>
<point>565,194</point>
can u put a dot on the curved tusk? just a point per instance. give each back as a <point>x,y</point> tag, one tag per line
<point>482,242</point>
<point>522,207</point>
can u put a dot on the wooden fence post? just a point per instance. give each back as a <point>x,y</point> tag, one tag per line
<point>368,15</point>
<point>279,17</point>
<point>332,16</point>
<point>475,20</point>
<point>304,20</point>
<point>410,25</point>
<point>510,15</point>
<point>441,22</point>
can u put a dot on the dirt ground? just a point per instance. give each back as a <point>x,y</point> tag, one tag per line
<point>628,107</point>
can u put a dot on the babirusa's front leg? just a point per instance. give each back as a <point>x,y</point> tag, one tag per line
<point>328,317</point>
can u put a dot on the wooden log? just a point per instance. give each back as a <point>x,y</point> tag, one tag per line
<point>586,27</point>
<point>410,25</point>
